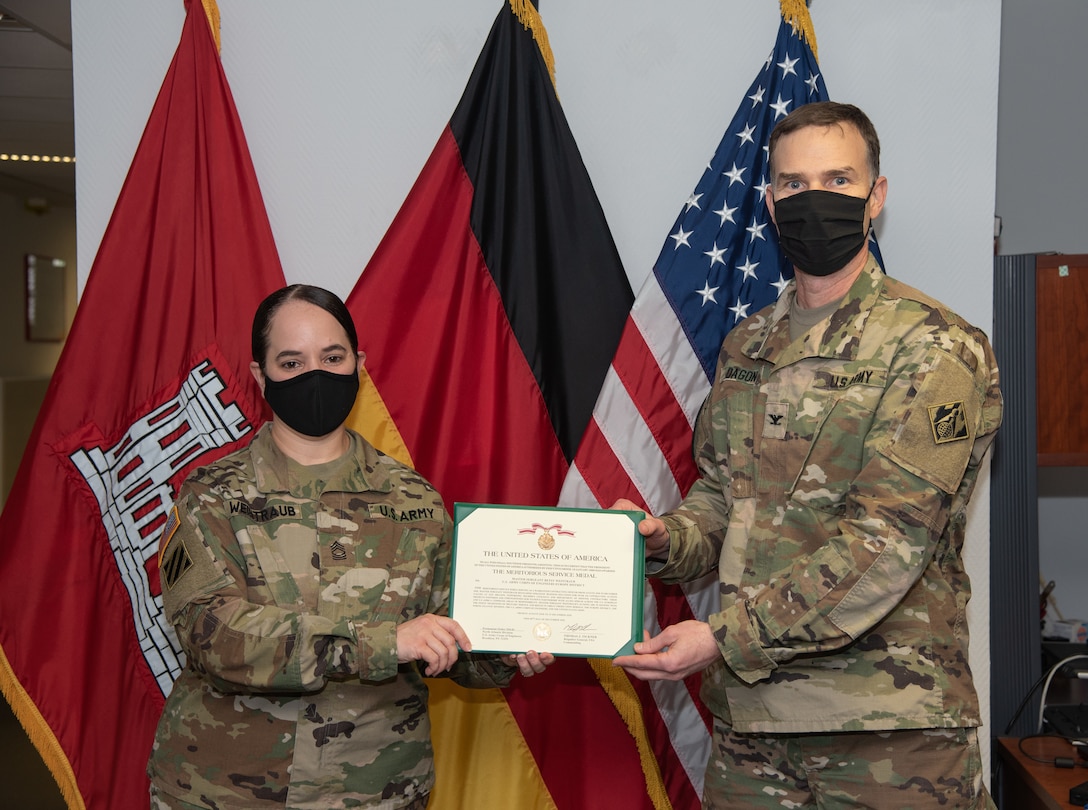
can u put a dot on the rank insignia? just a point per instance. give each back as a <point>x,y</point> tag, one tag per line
<point>949,422</point>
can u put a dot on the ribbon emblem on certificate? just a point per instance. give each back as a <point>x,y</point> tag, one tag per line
<point>544,537</point>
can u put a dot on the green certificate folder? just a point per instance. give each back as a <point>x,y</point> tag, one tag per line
<point>565,581</point>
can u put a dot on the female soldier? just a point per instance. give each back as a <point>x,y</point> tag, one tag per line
<point>306,575</point>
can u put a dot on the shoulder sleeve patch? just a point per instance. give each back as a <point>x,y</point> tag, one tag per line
<point>949,422</point>
<point>937,437</point>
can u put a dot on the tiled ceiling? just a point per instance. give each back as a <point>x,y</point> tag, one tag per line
<point>36,116</point>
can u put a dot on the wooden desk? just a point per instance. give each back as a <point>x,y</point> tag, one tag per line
<point>1030,785</point>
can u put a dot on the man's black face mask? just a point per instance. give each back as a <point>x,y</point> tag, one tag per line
<point>820,231</point>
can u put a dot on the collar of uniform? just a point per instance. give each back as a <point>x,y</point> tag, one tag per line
<point>364,473</point>
<point>769,337</point>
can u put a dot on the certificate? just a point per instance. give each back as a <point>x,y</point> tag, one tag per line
<point>564,581</point>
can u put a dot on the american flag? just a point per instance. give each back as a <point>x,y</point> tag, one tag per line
<point>720,263</point>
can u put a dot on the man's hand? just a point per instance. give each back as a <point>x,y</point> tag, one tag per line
<point>433,640</point>
<point>650,527</point>
<point>529,663</point>
<point>676,652</point>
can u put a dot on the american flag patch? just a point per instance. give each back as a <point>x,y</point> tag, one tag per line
<point>172,523</point>
<point>174,559</point>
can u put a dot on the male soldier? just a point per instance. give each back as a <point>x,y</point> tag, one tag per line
<point>837,452</point>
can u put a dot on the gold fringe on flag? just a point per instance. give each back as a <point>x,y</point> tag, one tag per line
<point>211,8</point>
<point>40,735</point>
<point>623,696</point>
<point>529,17</point>
<point>795,12</point>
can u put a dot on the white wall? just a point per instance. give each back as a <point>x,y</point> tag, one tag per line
<point>342,101</point>
<point>341,109</point>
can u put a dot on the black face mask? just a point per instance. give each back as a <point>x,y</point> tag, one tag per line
<point>315,403</point>
<point>820,231</point>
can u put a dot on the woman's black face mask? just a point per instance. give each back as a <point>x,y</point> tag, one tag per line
<point>314,403</point>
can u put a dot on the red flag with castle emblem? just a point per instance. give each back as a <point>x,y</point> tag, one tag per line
<point>153,380</point>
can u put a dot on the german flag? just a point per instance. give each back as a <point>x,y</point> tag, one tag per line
<point>489,315</point>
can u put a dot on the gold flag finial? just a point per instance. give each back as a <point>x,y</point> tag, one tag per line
<point>211,8</point>
<point>795,12</point>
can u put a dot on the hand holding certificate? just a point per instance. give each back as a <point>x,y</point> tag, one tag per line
<point>568,581</point>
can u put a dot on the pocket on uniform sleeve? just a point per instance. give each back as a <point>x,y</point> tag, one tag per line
<point>938,433</point>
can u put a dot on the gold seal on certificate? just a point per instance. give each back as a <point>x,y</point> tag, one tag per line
<point>564,581</point>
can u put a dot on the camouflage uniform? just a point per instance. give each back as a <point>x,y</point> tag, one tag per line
<point>835,474</point>
<point>291,694</point>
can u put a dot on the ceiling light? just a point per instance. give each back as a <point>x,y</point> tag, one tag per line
<point>37,158</point>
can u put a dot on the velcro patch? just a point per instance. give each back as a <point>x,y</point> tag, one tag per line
<point>949,422</point>
<point>775,420</point>
<point>929,442</point>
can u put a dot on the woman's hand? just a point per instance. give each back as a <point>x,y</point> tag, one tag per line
<point>435,640</point>
<point>530,663</point>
